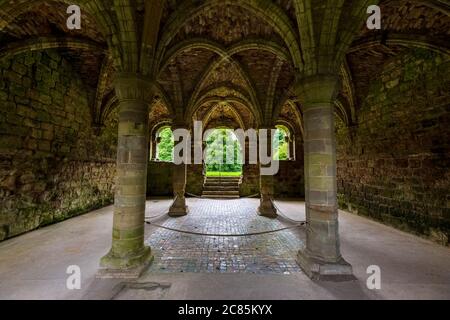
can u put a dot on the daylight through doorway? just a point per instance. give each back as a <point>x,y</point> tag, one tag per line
<point>223,154</point>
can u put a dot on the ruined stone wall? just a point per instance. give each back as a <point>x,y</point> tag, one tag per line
<point>394,165</point>
<point>159,178</point>
<point>52,166</point>
<point>195,179</point>
<point>250,180</point>
<point>290,180</point>
<point>159,181</point>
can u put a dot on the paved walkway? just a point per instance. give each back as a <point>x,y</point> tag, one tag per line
<point>266,253</point>
<point>33,266</point>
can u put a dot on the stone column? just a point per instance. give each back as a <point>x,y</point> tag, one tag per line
<point>291,148</point>
<point>266,207</point>
<point>179,207</point>
<point>321,258</point>
<point>250,178</point>
<point>154,147</point>
<point>129,256</point>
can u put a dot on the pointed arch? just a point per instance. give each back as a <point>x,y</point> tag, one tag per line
<point>9,11</point>
<point>236,114</point>
<point>213,46</point>
<point>268,11</point>
<point>230,99</point>
<point>207,73</point>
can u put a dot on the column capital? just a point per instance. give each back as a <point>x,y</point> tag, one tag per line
<point>317,89</point>
<point>132,86</point>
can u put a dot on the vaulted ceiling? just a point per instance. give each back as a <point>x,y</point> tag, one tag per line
<point>212,56</point>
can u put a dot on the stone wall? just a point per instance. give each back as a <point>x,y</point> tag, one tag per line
<point>250,180</point>
<point>52,166</point>
<point>394,165</point>
<point>195,179</point>
<point>159,181</point>
<point>290,182</point>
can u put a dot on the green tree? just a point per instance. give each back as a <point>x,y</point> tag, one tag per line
<point>222,146</point>
<point>165,147</point>
<point>282,150</point>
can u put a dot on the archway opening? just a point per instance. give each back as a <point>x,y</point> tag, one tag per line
<point>281,143</point>
<point>165,145</point>
<point>223,154</point>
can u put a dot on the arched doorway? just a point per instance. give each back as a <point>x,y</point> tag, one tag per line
<point>223,154</point>
<point>281,142</point>
<point>165,145</point>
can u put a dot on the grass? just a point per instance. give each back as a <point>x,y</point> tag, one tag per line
<point>223,174</point>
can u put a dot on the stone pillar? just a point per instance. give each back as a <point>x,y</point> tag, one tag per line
<point>129,256</point>
<point>179,207</point>
<point>266,207</point>
<point>250,177</point>
<point>243,186</point>
<point>154,147</point>
<point>321,258</point>
<point>291,148</point>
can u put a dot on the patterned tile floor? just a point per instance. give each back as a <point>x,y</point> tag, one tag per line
<point>178,252</point>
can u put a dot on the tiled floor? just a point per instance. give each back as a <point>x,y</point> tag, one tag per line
<point>268,253</point>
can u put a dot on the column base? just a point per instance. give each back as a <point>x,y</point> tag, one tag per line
<point>178,211</point>
<point>112,267</point>
<point>317,269</point>
<point>178,207</point>
<point>267,209</point>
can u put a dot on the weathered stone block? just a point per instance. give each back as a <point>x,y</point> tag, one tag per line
<point>401,135</point>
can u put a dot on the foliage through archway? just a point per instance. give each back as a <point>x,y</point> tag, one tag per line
<point>223,154</point>
<point>165,145</point>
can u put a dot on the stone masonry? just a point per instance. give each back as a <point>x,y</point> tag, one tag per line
<point>367,112</point>
<point>394,166</point>
<point>59,167</point>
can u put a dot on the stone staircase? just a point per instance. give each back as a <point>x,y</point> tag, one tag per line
<point>221,187</point>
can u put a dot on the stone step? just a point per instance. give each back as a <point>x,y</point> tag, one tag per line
<point>222,181</point>
<point>220,188</point>
<point>208,192</point>
<point>225,184</point>
<point>222,177</point>
<point>220,197</point>
<point>220,192</point>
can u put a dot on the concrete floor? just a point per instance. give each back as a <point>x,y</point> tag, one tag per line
<point>33,266</point>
